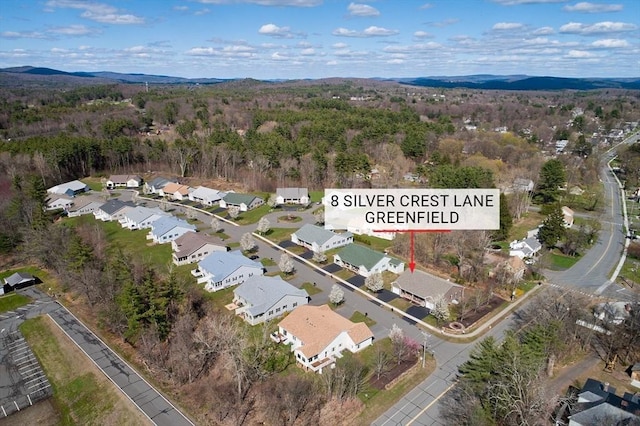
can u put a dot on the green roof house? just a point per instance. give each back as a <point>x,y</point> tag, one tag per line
<point>244,202</point>
<point>364,261</point>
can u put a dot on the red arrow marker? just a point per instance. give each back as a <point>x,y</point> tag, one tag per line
<point>412,263</point>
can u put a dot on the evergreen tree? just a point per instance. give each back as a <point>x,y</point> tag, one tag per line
<point>506,221</point>
<point>552,229</point>
<point>482,363</point>
<point>552,177</point>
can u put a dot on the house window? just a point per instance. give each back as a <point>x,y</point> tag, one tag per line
<point>277,309</point>
<point>271,313</point>
<point>295,304</point>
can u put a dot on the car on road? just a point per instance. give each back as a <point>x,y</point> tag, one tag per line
<point>254,257</point>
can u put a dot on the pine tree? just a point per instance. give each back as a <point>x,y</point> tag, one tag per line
<point>552,229</point>
<point>552,177</point>
<point>506,221</point>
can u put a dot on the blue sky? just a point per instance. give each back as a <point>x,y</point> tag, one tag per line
<point>268,39</point>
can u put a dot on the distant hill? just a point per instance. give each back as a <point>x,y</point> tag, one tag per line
<point>26,75</point>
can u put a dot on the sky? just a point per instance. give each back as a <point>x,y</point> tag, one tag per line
<point>292,39</point>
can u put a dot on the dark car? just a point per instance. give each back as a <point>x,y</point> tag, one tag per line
<point>254,257</point>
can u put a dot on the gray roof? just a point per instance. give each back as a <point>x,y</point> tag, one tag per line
<point>292,193</point>
<point>316,234</point>
<point>533,243</point>
<point>207,193</point>
<point>18,278</point>
<point>222,263</point>
<point>112,206</point>
<point>237,199</point>
<point>601,413</point>
<point>160,182</point>
<point>425,285</point>
<point>264,292</point>
<point>140,214</point>
<point>167,223</point>
<point>73,186</point>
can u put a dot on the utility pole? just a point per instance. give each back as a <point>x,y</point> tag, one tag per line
<point>425,336</point>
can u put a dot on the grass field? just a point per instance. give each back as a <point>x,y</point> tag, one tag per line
<point>529,221</point>
<point>279,234</point>
<point>12,301</point>
<point>561,262</point>
<point>252,216</point>
<point>360,317</point>
<point>311,289</point>
<point>94,183</point>
<point>82,394</point>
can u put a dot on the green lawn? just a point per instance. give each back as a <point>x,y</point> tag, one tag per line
<point>373,243</point>
<point>94,183</point>
<point>400,303</point>
<point>630,272</point>
<point>279,234</point>
<point>560,262</point>
<point>134,242</point>
<point>12,301</point>
<point>529,221</point>
<point>33,270</point>
<point>267,262</point>
<point>316,196</point>
<point>360,317</point>
<point>345,274</point>
<point>81,394</point>
<point>311,289</point>
<point>252,216</point>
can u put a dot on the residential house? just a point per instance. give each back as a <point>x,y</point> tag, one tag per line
<point>70,189</point>
<point>112,210</point>
<point>220,270</point>
<point>525,249</point>
<point>522,185</point>
<point>567,216</point>
<point>262,298</point>
<point>613,312</point>
<point>17,281</point>
<point>423,289</point>
<point>292,196</point>
<point>192,247</point>
<point>58,202</point>
<point>84,205</point>
<point>355,228</point>
<point>635,375</point>
<point>319,240</point>
<point>598,404</point>
<point>318,336</point>
<point>141,217</point>
<point>206,196</point>
<point>156,185</point>
<point>365,261</point>
<point>168,228</point>
<point>175,191</point>
<point>516,267</point>
<point>123,181</point>
<point>244,202</point>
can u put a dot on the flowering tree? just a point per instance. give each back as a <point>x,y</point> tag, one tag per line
<point>336,296</point>
<point>441,309</point>
<point>247,242</point>
<point>286,263</point>
<point>234,212</point>
<point>374,282</point>
<point>263,225</point>
<point>319,257</point>
<point>215,224</point>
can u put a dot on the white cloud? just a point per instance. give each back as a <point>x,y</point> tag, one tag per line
<point>422,34</point>
<point>343,32</point>
<point>543,31</point>
<point>442,24</point>
<point>580,54</point>
<point>597,28</point>
<point>273,30</point>
<point>339,45</point>
<point>23,34</point>
<point>517,2</point>
<point>396,61</point>
<point>586,7</point>
<point>359,9</point>
<point>610,43</point>
<point>293,3</point>
<point>238,50</point>
<point>507,26</point>
<point>181,8</point>
<point>432,45</point>
<point>74,30</point>
<point>98,12</point>
<point>426,6</point>
<point>379,31</point>
<point>202,12</point>
<point>308,52</point>
<point>277,56</point>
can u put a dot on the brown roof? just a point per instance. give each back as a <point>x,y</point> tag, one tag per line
<point>516,263</point>
<point>318,326</point>
<point>192,241</point>
<point>172,188</point>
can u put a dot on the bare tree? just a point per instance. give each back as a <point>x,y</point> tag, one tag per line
<point>381,361</point>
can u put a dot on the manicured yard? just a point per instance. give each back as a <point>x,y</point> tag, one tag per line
<point>402,304</point>
<point>82,394</point>
<point>360,317</point>
<point>12,301</point>
<point>252,216</point>
<point>267,262</point>
<point>529,221</point>
<point>561,262</point>
<point>94,183</point>
<point>374,243</point>
<point>316,196</point>
<point>311,289</point>
<point>35,271</point>
<point>279,234</point>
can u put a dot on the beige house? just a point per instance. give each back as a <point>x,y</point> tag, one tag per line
<point>192,247</point>
<point>422,288</point>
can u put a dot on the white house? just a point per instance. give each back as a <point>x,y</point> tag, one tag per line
<point>523,185</point>
<point>70,189</point>
<point>83,205</point>
<point>141,217</point>
<point>206,196</point>
<point>220,270</point>
<point>567,216</point>
<point>292,196</point>
<point>318,336</point>
<point>156,185</point>
<point>123,181</point>
<point>364,261</point>
<point>244,202</point>
<point>526,248</point>
<point>423,289</point>
<point>112,210</point>
<point>58,202</point>
<point>262,298</point>
<point>175,191</point>
<point>193,247</point>
<point>318,239</point>
<point>168,228</point>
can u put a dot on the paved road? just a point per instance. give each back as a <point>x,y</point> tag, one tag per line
<point>160,411</point>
